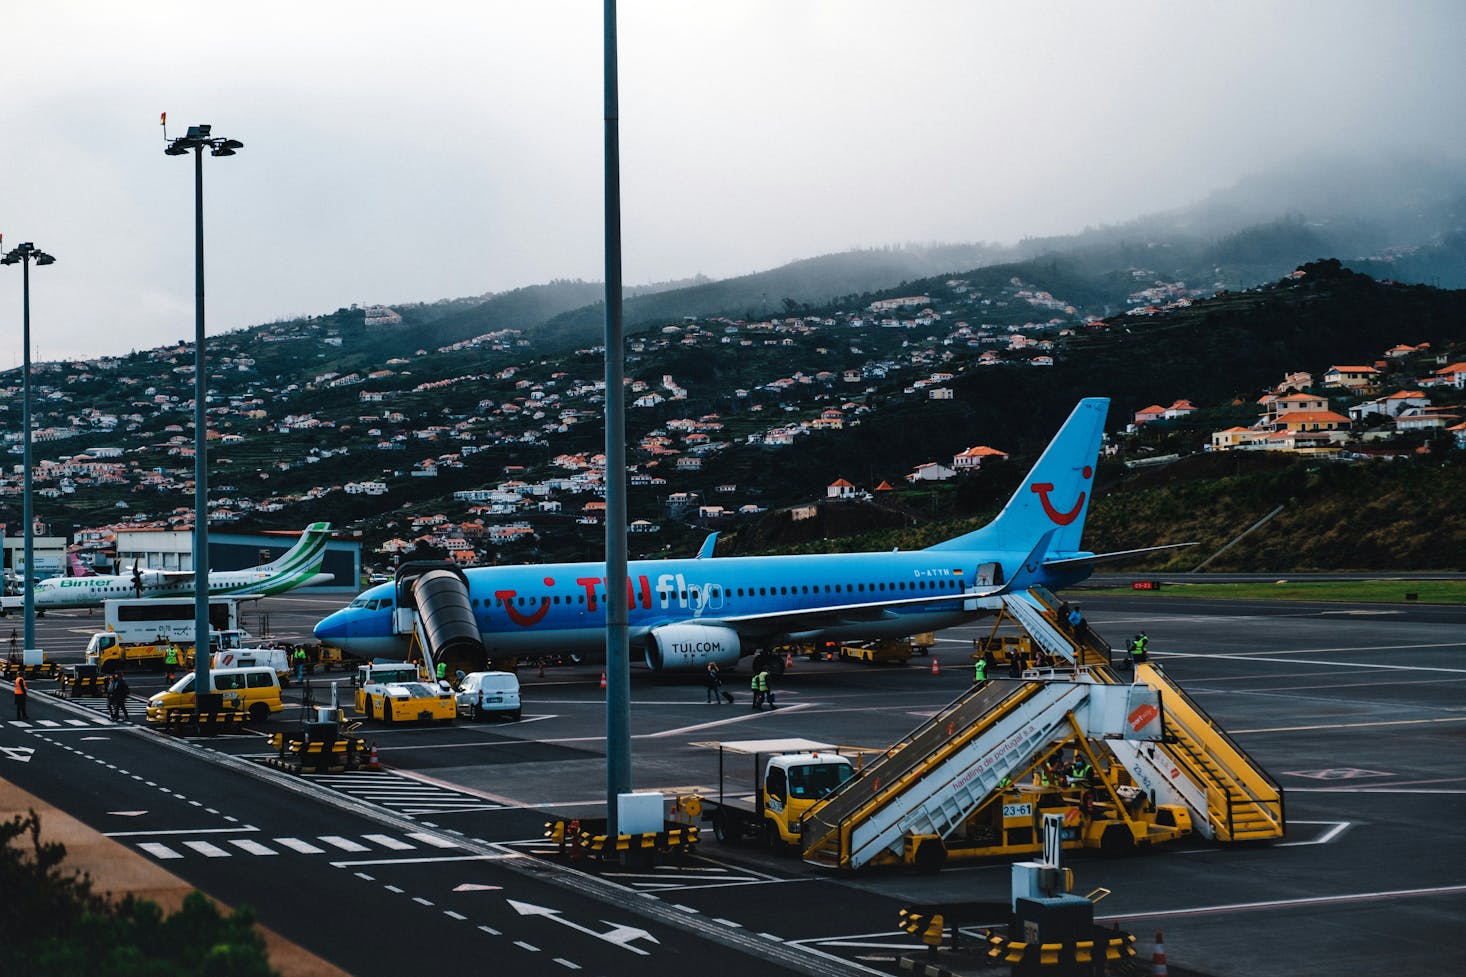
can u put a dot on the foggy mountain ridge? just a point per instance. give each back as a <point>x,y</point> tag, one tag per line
<point>1401,220</point>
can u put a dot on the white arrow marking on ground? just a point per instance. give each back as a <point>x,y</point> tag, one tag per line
<point>475,887</point>
<point>619,935</point>
<point>21,753</point>
<point>127,814</point>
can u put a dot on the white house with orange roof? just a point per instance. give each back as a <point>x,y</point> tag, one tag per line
<point>1390,406</point>
<point>971,459</point>
<point>1147,414</point>
<point>840,489</point>
<point>1427,419</point>
<point>1178,410</point>
<point>1452,376</point>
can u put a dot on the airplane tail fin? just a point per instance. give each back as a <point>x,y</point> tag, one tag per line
<point>1055,495</point>
<point>306,555</point>
<point>78,568</point>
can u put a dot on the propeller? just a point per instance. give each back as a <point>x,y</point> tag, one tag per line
<point>137,578</point>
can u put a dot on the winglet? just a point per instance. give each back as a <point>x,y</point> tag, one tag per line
<point>707,546</point>
<point>1028,571</point>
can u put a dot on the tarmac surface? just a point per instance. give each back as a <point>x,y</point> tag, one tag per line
<point>1356,710</point>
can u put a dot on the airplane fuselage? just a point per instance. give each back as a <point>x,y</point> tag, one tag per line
<point>561,608</point>
<point>72,592</point>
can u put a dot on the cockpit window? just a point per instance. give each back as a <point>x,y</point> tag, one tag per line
<point>359,602</point>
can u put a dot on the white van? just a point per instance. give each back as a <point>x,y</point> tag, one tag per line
<point>276,658</point>
<point>489,694</point>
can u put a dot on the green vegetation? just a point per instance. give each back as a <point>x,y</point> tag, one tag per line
<point>55,924</point>
<point>1343,591</point>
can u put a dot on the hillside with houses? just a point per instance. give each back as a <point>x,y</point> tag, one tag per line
<point>917,408</point>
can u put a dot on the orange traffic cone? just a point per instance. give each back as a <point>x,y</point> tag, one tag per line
<point>1158,957</point>
<point>788,659</point>
<point>373,761</point>
<point>936,667</point>
<point>603,680</point>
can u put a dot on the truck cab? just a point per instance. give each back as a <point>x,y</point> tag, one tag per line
<point>791,776</point>
<point>794,783</point>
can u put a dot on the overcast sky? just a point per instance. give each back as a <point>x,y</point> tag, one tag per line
<point>414,151</point>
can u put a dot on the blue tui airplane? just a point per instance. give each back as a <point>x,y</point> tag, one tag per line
<point>684,613</point>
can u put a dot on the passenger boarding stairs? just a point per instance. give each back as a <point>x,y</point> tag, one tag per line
<point>930,782</point>
<point>1230,797</point>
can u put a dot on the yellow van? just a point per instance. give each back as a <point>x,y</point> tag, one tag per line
<point>254,689</point>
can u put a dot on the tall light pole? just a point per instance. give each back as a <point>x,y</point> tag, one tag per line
<point>23,255</point>
<point>618,664</point>
<point>198,139</point>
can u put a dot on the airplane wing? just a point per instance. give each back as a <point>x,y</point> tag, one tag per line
<point>1083,561</point>
<point>812,619</point>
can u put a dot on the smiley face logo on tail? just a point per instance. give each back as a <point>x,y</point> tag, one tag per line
<point>1042,489</point>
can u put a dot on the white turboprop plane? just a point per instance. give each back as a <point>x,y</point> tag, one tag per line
<point>300,565</point>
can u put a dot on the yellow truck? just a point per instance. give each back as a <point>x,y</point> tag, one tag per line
<point>791,776</point>
<point>396,692</point>
<point>109,653</point>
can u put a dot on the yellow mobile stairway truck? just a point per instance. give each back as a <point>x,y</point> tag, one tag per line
<point>789,777</point>
<point>975,780</point>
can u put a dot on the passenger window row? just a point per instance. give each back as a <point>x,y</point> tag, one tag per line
<point>716,591</point>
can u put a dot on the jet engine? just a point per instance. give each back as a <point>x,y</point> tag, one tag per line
<point>684,647</point>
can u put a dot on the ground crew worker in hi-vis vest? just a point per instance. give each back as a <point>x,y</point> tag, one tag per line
<point>299,657</point>
<point>170,661</point>
<point>759,686</point>
<point>20,695</point>
<point>980,671</point>
<point>442,671</point>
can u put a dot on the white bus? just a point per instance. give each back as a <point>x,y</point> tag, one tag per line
<point>157,620</point>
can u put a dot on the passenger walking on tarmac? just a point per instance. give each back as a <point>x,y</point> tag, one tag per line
<point>20,695</point>
<point>715,683</point>
<point>1015,664</point>
<point>759,686</point>
<point>117,697</point>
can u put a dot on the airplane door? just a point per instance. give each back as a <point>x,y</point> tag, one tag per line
<point>989,574</point>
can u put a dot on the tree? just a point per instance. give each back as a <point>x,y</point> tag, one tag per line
<point>55,924</point>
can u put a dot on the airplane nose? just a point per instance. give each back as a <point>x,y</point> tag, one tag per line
<point>332,627</point>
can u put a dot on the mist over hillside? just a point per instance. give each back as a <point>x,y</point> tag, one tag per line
<point>1402,219</point>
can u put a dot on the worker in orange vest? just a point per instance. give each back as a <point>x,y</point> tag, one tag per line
<point>20,691</point>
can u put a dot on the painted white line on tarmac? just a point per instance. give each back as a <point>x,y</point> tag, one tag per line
<point>1343,898</point>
